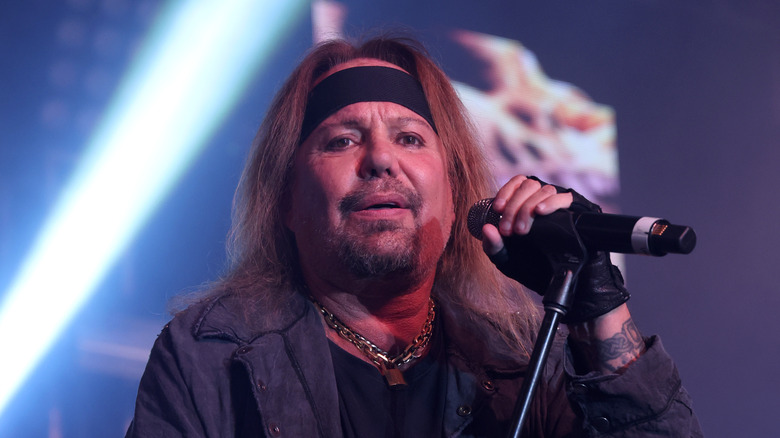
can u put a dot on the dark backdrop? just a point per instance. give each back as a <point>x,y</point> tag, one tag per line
<point>696,91</point>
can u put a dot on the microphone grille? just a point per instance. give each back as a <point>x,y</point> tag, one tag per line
<point>481,213</point>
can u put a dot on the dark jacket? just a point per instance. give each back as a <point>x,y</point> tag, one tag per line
<point>215,373</point>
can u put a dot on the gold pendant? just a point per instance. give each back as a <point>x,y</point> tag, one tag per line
<point>392,374</point>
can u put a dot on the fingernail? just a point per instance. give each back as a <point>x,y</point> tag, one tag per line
<point>505,227</point>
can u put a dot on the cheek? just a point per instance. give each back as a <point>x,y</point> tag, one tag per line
<point>436,181</point>
<point>431,242</point>
<point>449,208</point>
<point>447,202</point>
<point>300,203</point>
<point>313,200</point>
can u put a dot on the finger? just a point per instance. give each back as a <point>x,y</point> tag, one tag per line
<point>552,203</point>
<point>542,203</point>
<point>506,191</point>
<point>527,211</point>
<point>491,240</point>
<point>509,216</point>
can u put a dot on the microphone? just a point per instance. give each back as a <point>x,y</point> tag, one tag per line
<point>603,232</point>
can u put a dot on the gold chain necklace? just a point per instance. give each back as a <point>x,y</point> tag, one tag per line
<point>388,366</point>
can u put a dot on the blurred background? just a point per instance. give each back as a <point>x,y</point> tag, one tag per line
<point>124,126</point>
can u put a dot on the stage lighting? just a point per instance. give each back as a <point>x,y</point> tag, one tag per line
<point>190,70</point>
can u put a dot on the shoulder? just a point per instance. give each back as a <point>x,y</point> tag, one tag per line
<point>231,319</point>
<point>205,339</point>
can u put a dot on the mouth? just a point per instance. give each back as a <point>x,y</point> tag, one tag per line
<point>380,202</point>
<point>382,206</point>
<point>389,199</point>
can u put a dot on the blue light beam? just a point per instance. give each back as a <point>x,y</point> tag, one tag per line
<point>190,71</point>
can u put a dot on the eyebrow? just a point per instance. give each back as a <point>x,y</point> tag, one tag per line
<point>412,120</point>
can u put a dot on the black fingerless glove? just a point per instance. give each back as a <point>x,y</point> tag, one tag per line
<point>599,286</point>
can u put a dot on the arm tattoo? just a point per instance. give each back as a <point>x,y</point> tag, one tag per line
<point>612,354</point>
<point>621,349</point>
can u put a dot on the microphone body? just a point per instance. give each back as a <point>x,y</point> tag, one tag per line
<point>604,232</point>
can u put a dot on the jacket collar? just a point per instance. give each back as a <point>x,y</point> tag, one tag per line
<point>231,317</point>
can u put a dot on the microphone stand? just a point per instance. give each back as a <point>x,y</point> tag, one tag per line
<point>566,254</point>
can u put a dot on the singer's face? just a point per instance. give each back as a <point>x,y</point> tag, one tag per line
<point>371,194</point>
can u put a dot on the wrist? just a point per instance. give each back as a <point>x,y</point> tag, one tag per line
<point>608,343</point>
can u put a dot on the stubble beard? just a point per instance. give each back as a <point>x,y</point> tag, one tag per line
<point>386,249</point>
<point>377,249</point>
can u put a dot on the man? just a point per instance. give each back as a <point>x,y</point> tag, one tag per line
<point>357,303</point>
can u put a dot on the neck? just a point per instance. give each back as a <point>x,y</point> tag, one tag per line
<point>384,312</point>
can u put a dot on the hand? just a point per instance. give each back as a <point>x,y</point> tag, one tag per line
<point>518,201</point>
<point>599,285</point>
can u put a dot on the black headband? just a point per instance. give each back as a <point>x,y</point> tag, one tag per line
<point>363,84</point>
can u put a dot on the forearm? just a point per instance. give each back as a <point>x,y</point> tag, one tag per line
<point>608,343</point>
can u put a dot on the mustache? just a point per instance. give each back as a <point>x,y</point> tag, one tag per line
<point>352,199</point>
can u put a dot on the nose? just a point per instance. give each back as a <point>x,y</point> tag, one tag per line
<point>379,160</point>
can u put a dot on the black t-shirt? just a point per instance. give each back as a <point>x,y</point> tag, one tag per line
<point>369,407</point>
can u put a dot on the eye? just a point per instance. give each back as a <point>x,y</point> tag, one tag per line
<point>410,140</point>
<point>339,144</point>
